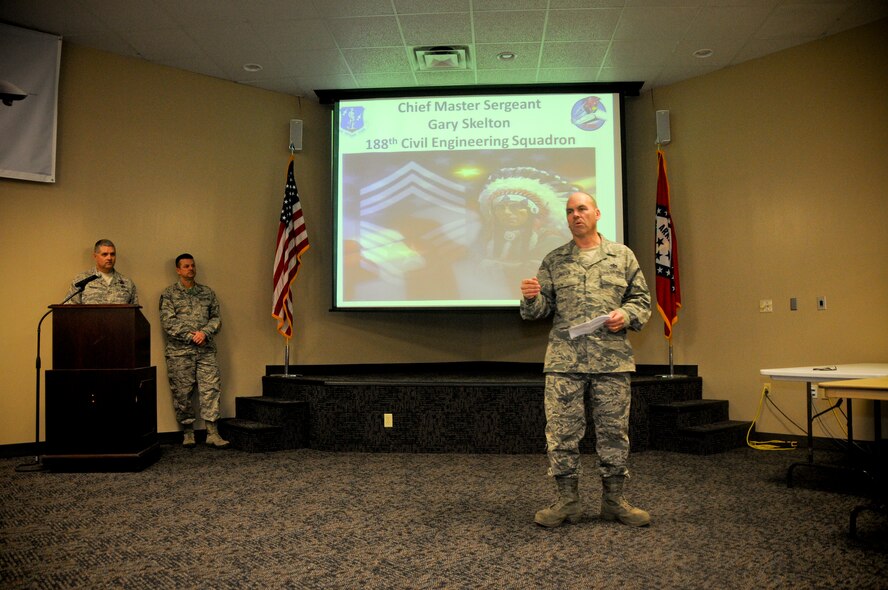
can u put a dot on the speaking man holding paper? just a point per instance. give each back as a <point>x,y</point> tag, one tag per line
<point>587,278</point>
<point>103,284</point>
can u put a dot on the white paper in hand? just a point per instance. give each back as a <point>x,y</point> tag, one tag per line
<point>587,327</point>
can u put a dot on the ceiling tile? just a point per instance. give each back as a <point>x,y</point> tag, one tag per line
<point>753,3</point>
<point>130,15</point>
<point>426,7</point>
<point>295,35</point>
<point>560,4</point>
<point>300,40</point>
<point>304,63</point>
<point>582,25</point>
<point>485,5</point>
<point>230,40</point>
<point>654,23</point>
<point>378,60</point>
<point>507,76</point>
<point>573,55</point>
<point>339,8</point>
<point>496,27</point>
<point>43,15</point>
<point>800,19</point>
<point>436,29</point>
<point>729,21</point>
<point>639,53</point>
<point>270,11</point>
<point>200,12</point>
<point>367,31</point>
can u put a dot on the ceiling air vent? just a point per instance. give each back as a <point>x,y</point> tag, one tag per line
<point>439,58</point>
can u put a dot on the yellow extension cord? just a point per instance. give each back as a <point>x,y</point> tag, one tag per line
<point>767,445</point>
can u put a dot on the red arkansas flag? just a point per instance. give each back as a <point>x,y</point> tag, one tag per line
<point>668,288</point>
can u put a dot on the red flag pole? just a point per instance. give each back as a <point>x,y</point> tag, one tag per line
<point>668,288</point>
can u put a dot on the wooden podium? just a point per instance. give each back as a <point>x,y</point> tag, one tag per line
<point>101,394</point>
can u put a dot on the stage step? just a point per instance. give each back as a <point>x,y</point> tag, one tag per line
<point>264,422</point>
<point>668,417</point>
<point>706,439</point>
<point>251,436</point>
<point>695,426</point>
<point>698,426</point>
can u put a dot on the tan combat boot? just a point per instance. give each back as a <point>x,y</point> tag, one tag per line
<point>213,438</point>
<point>566,508</point>
<point>188,436</point>
<point>615,507</point>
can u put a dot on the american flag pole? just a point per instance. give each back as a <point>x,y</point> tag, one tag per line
<point>292,242</point>
<point>287,340</point>
<point>287,359</point>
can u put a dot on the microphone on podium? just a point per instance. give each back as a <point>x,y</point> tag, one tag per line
<point>83,282</point>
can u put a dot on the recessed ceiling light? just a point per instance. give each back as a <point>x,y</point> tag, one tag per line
<point>703,53</point>
<point>506,55</point>
<point>253,67</point>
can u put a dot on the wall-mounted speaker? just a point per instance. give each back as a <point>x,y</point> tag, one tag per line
<point>664,135</point>
<point>296,134</point>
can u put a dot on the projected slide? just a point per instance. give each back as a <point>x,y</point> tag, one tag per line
<point>448,202</point>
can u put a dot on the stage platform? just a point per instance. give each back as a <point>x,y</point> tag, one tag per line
<point>461,407</point>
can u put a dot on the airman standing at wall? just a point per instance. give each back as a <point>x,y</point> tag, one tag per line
<point>111,286</point>
<point>581,280</point>
<point>189,313</point>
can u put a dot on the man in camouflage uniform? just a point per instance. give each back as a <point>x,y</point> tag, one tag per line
<point>111,286</point>
<point>583,279</point>
<point>189,313</point>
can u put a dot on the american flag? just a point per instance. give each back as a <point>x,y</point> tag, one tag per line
<point>292,242</point>
<point>666,250</point>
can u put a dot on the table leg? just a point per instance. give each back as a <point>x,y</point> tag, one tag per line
<point>811,391</point>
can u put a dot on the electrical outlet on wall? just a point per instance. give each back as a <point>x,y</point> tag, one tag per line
<point>821,303</point>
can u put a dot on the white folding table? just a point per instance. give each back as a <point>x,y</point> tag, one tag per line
<point>821,374</point>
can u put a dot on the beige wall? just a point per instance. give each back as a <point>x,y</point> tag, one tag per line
<point>778,176</point>
<point>160,161</point>
<point>777,193</point>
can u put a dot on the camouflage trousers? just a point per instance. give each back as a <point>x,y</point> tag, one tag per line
<point>609,395</point>
<point>190,372</point>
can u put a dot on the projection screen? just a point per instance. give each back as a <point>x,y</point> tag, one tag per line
<point>448,201</point>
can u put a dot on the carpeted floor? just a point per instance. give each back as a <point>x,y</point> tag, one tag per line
<point>307,519</point>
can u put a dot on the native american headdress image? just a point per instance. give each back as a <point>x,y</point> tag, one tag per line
<point>544,193</point>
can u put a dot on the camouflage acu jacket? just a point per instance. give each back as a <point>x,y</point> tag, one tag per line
<point>573,293</point>
<point>185,311</point>
<point>119,290</point>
